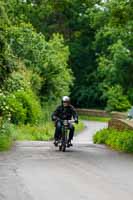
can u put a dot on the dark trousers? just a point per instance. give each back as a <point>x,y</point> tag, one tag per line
<point>58,131</point>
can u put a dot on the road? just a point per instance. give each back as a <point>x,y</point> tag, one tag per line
<point>38,171</point>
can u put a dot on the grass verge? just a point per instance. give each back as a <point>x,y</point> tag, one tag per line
<point>79,127</point>
<point>38,132</point>
<point>94,118</point>
<point>44,131</point>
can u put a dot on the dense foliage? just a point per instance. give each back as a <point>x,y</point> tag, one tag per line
<point>50,48</point>
<point>32,69</point>
<point>118,140</point>
<point>99,35</point>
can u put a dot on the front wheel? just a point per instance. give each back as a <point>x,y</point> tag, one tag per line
<point>60,147</point>
<point>64,148</point>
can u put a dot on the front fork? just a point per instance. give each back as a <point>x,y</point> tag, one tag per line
<point>64,135</point>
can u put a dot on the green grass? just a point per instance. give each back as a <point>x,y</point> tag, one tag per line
<point>79,127</point>
<point>43,132</point>
<point>94,118</point>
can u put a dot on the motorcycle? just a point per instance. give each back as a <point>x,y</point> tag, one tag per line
<point>63,141</point>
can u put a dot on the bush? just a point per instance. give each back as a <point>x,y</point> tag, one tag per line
<point>6,138</point>
<point>116,100</point>
<point>31,105</point>
<point>16,81</point>
<point>16,110</point>
<point>118,140</point>
<point>130,95</point>
<point>101,136</point>
<point>20,107</point>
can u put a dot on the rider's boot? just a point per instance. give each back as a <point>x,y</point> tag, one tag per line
<point>56,143</point>
<point>69,143</point>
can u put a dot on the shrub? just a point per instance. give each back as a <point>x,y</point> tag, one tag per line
<point>118,140</point>
<point>36,82</point>
<point>15,82</point>
<point>21,106</point>
<point>130,95</point>
<point>16,109</point>
<point>4,109</point>
<point>101,136</point>
<point>116,100</point>
<point>6,138</point>
<point>31,104</point>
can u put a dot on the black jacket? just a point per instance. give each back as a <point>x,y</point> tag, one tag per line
<point>63,113</point>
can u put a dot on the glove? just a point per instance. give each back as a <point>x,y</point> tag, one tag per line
<point>53,118</point>
<point>76,121</point>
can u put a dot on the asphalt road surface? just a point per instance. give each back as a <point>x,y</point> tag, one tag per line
<point>38,171</point>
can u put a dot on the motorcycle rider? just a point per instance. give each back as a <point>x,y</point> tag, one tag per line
<point>64,112</point>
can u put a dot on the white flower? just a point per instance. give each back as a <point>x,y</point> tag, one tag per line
<point>9,118</point>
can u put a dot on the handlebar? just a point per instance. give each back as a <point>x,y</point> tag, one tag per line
<point>71,121</point>
<point>66,122</point>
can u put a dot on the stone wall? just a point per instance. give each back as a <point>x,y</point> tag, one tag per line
<point>118,120</point>
<point>118,115</point>
<point>120,124</point>
<point>101,113</point>
<point>92,112</point>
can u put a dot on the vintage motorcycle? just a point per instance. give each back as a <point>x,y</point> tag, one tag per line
<point>63,141</point>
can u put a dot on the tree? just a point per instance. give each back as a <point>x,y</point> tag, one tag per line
<point>113,42</point>
<point>7,59</point>
<point>47,59</point>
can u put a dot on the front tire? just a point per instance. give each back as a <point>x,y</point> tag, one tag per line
<point>64,148</point>
<point>60,147</point>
